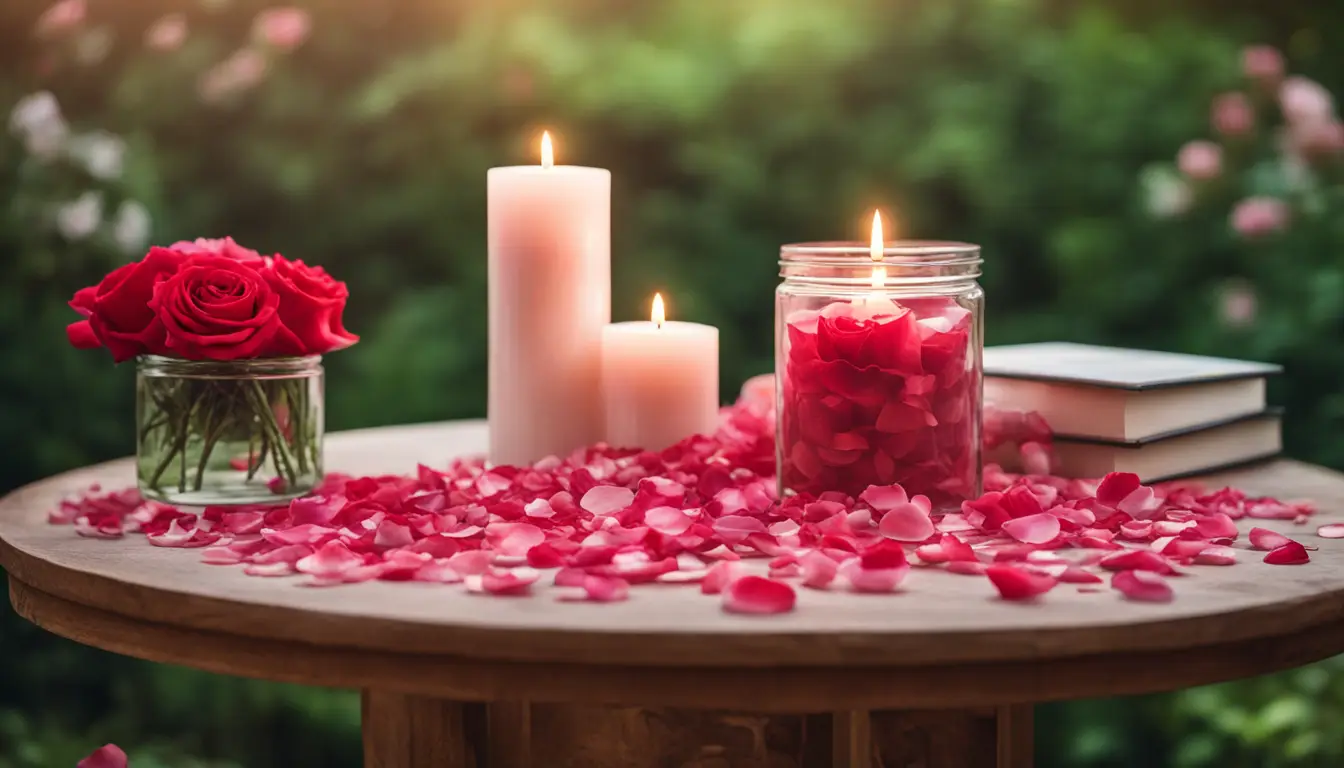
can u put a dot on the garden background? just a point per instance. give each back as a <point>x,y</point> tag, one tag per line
<point>357,135</point>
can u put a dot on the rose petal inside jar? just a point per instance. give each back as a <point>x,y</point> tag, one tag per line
<point>876,392</point>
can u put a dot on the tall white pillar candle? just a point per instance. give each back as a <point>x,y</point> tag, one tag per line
<point>549,236</point>
<point>660,380</point>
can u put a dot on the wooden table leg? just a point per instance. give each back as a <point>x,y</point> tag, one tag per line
<point>590,736</point>
<point>414,732</point>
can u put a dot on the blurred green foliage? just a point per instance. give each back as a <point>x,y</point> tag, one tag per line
<point>731,127</point>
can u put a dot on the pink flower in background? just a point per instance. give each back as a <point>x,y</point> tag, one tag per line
<point>1238,304</point>
<point>106,756</point>
<point>241,71</point>
<point>1200,160</point>
<point>284,28</point>
<point>168,33</point>
<point>1318,139</point>
<point>1304,100</point>
<point>1232,114</point>
<point>1262,63</point>
<point>1259,216</point>
<point>61,18</point>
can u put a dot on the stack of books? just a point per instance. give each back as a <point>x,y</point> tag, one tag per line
<point>1157,414</point>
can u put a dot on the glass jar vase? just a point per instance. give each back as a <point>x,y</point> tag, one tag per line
<point>879,369</point>
<point>228,432</point>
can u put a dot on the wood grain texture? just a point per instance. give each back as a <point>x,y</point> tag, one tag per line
<point>407,731</point>
<point>945,641</point>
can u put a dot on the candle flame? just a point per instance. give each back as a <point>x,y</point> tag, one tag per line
<point>658,315</point>
<point>876,250</point>
<point>877,245</point>
<point>547,152</point>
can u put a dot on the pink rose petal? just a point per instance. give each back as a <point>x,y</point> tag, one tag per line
<point>331,560</point>
<point>818,570</point>
<point>884,497</point>
<point>720,575</point>
<point>1137,559</point>
<point>758,595</point>
<point>1144,586</point>
<point>669,521</point>
<point>1331,531</point>
<point>1033,529</point>
<point>1265,539</point>
<point>1216,555</point>
<point>907,522</point>
<point>515,582</point>
<point>606,499</point>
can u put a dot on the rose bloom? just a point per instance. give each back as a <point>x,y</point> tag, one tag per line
<point>283,28</point>
<point>311,305</point>
<point>1304,100</point>
<point>1262,63</point>
<point>1232,114</point>
<point>224,246</point>
<point>219,308</point>
<point>117,312</point>
<point>1200,160</point>
<point>1259,216</point>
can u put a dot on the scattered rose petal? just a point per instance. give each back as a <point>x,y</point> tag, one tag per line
<point>329,561</point>
<point>1331,531</point>
<point>606,499</point>
<point>1216,555</point>
<point>906,522</point>
<point>1017,584</point>
<point>1292,553</point>
<point>720,575</point>
<point>517,581</point>
<point>1145,586</point>
<point>1033,529</point>
<point>758,595</point>
<point>1265,539</point>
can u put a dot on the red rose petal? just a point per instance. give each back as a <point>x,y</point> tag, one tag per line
<point>1137,559</point>
<point>1144,586</point>
<point>106,756</point>
<point>1075,575</point>
<point>605,590</point>
<point>863,579</point>
<point>758,595</point>
<point>966,567</point>
<point>512,583</point>
<point>1014,583</point>
<point>1116,486</point>
<point>1033,529</point>
<point>1292,553</point>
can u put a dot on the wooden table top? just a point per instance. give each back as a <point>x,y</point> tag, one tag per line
<point>944,641</point>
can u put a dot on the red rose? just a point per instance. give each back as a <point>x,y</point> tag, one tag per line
<point>220,308</point>
<point>311,305</point>
<point>117,309</point>
<point>224,246</point>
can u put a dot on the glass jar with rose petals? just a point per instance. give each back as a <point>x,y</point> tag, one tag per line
<point>878,357</point>
<point>228,432</point>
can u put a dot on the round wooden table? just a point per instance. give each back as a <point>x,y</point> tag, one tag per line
<point>943,674</point>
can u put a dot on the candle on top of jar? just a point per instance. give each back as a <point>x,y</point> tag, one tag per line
<point>878,368</point>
